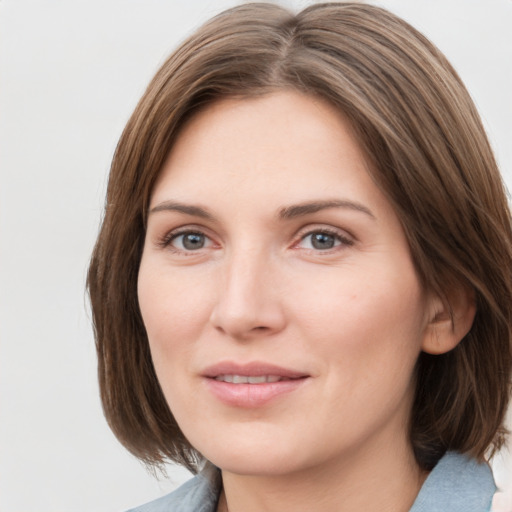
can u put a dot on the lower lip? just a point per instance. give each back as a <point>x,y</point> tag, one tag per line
<point>252,395</point>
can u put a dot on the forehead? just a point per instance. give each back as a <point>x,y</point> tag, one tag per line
<point>282,144</point>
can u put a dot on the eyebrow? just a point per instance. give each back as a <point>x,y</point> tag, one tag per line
<point>173,206</point>
<point>288,212</point>
<point>299,210</point>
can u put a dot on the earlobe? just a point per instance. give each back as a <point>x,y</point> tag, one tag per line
<point>450,320</point>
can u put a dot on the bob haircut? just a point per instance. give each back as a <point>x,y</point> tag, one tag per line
<point>428,153</point>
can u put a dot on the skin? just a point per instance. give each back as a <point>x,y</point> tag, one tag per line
<point>256,287</point>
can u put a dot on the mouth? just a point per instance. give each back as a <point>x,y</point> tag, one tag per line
<point>255,372</point>
<point>252,385</point>
<point>250,379</point>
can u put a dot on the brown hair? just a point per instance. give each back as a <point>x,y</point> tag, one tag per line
<point>420,130</point>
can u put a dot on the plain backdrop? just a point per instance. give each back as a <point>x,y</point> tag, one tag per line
<point>71,72</point>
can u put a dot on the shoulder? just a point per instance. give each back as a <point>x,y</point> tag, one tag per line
<point>458,483</point>
<point>199,494</point>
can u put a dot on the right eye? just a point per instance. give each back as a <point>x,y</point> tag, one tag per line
<point>187,241</point>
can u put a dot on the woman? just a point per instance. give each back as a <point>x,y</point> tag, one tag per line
<point>302,283</point>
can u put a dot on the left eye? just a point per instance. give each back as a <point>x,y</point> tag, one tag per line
<point>190,241</point>
<point>322,241</point>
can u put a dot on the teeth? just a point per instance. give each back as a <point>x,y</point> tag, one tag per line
<point>244,379</point>
<point>257,380</point>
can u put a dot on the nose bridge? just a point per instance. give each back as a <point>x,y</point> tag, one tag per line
<point>247,302</point>
<point>249,278</point>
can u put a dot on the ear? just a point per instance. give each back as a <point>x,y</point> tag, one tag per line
<point>450,319</point>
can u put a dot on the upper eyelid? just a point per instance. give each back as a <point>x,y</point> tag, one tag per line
<point>332,230</point>
<point>185,228</point>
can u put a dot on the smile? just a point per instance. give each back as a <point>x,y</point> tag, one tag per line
<point>246,379</point>
<point>252,385</point>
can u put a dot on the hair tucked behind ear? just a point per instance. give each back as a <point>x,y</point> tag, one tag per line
<point>427,152</point>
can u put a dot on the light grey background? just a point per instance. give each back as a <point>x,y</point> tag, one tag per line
<point>70,74</point>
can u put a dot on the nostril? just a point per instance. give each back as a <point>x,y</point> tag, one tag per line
<point>243,318</point>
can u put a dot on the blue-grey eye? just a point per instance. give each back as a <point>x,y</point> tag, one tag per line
<point>193,241</point>
<point>190,241</point>
<point>322,241</point>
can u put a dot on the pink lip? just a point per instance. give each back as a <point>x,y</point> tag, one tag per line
<point>251,395</point>
<point>252,369</point>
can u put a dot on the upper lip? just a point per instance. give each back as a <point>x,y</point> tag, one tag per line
<point>252,369</point>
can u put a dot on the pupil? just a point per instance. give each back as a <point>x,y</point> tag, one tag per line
<point>193,241</point>
<point>322,241</point>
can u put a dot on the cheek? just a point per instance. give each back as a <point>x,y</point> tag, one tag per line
<point>366,314</point>
<point>174,308</point>
<point>368,336</point>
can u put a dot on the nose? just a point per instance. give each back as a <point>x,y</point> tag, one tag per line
<point>249,301</point>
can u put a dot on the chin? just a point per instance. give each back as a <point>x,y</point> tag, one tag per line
<point>256,465</point>
<point>259,455</point>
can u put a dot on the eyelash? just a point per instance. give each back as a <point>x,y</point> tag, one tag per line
<point>341,240</point>
<point>166,241</point>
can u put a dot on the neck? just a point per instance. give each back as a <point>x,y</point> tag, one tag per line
<point>387,480</point>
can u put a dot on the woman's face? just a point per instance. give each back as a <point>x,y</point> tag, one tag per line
<point>283,310</point>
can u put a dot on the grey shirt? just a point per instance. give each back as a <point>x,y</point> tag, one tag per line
<point>456,484</point>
